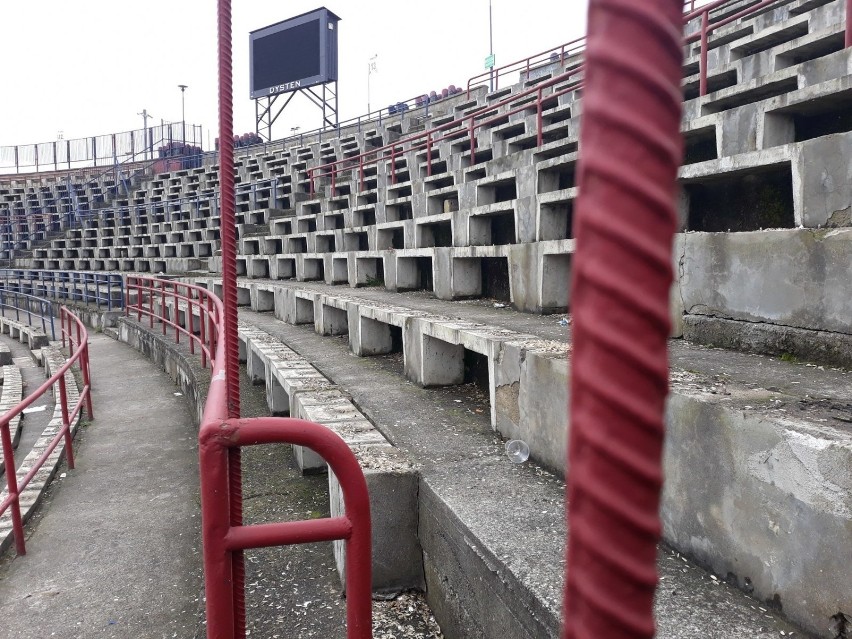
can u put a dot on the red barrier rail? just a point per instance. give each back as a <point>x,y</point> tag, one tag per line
<point>561,54</point>
<point>462,127</point>
<point>76,337</point>
<point>193,313</point>
<point>488,115</point>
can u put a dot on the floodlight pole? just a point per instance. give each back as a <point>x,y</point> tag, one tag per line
<point>371,66</point>
<point>490,48</point>
<point>145,115</point>
<point>183,88</point>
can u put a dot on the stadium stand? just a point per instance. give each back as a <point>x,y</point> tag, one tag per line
<point>445,240</point>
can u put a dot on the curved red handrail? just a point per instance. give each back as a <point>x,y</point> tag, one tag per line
<point>195,314</point>
<point>75,335</point>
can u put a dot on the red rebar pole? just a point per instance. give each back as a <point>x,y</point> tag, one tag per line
<point>631,150</point>
<point>229,295</point>
<point>702,80</point>
<point>848,23</point>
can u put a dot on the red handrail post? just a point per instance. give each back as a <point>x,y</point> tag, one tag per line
<point>472,143</point>
<point>539,119</point>
<point>311,183</point>
<point>163,311</point>
<point>66,422</point>
<point>702,82</point>
<point>848,18</point>
<point>429,154</point>
<point>87,379</point>
<point>12,489</point>
<point>202,329</point>
<point>393,164</point>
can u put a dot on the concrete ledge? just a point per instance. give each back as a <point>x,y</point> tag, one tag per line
<point>31,336</point>
<point>295,387</point>
<point>833,349</point>
<point>393,484</point>
<point>755,474</point>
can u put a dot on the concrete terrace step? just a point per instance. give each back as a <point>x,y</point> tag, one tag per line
<point>492,532</point>
<point>758,511</point>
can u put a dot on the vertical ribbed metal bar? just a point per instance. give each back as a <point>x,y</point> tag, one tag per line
<point>622,273</point>
<point>229,293</point>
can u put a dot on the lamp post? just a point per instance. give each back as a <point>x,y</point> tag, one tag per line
<point>183,88</point>
<point>145,115</point>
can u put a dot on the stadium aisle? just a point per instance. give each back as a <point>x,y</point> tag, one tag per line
<point>115,549</point>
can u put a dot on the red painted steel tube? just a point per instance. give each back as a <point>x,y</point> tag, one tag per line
<point>221,538</point>
<point>15,486</point>
<point>848,23</point>
<point>12,500</point>
<point>705,20</point>
<point>622,274</point>
<point>228,221</point>
<point>66,422</point>
<point>287,533</point>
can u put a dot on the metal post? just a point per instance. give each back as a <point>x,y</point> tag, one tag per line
<point>183,88</point>
<point>848,18</point>
<point>490,46</point>
<point>702,82</point>
<point>229,297</point>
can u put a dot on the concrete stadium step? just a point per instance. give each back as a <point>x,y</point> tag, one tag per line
<point>492,532</point>
<point>730,410</point>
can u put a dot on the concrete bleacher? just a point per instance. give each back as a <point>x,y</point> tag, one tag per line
<point>456,267</point>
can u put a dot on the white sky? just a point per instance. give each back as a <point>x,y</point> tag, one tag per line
<point>87,67</point>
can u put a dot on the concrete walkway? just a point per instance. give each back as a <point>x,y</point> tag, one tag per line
<point>115,549</point>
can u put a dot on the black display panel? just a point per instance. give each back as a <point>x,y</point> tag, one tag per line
<point>293,54</point>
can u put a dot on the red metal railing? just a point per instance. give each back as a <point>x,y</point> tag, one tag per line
<point>460,128</point>
<point>564,54</point>
<point>194,314</point>
<point>75,336</point>
<point>467,125</point>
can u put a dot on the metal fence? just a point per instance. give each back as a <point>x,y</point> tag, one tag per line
<point>98,150</point>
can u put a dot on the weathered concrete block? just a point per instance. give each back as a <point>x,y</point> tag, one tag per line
<point>367,336</point>
<point>430,361</point>
<point>530,398</point>
<point>328,319</point>
<point>765,499</point>
<point>393,484</point>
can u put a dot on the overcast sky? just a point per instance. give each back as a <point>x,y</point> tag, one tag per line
<point>88,67</point>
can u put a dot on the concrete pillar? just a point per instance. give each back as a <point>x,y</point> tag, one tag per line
<point>368,336</point>
<point>330,320</point>
<point>430,361</point>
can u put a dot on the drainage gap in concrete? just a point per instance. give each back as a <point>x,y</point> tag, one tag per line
<point>425,278</point>
<point>495,279</point>
<point>476,370</point>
